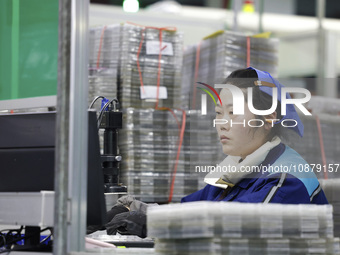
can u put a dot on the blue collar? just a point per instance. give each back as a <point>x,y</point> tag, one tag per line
<point>272,156</point>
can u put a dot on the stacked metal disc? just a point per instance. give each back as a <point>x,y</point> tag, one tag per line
<point>324,105</point>
<point>222,53</point>
<point>201,146</point>
<point>141,46</point>
<point>331,187</point>
<point>226,228</point>
<point>309,147</point>
<point>325,111</point>
<point>104,61</point>
<point>149,143</point>
<point>188,76</point>
<point>246,246</point>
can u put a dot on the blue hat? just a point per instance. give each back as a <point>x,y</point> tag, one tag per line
<point>265,83</point>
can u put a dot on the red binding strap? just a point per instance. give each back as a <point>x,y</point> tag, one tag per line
<point>100,46</point>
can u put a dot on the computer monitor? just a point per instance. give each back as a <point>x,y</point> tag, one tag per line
<point>27,151</point>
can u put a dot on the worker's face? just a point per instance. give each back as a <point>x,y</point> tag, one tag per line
<point>238,139</point>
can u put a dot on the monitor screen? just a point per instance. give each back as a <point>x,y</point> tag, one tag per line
<point>27,148</point>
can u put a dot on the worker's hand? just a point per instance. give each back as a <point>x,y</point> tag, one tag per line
<point>117,209</point>
<point>128,223</point>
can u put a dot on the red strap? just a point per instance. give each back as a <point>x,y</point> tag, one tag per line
<point>248,51</point>
<point>322,148</point>
<point>173,114</point>
<point>180,141</point>
<point>100,46</point>
<point>198,53</point>
<point>181,135</point>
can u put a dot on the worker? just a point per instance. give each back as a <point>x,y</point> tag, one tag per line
<point>259,168</point>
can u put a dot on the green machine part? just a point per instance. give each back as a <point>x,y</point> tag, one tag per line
<point>28,48</point>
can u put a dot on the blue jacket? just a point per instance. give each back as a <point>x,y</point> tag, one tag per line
<point>292,187</point>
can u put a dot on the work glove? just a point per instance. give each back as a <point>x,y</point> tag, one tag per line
<point>128,223</point>
<point>133,204</point>
<point>117,209</point>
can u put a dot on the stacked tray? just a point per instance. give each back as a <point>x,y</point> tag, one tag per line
<point>201,145</point>
<point>188,75</point>
<point>223,53</point>
<point>331,188</point>
<point>132,37</point>
<point>309,146</point>
<point>104,62</point>
<point>102,82</point>
<point>104,46</point>
<point>240,220</point>
<point>148,145</point>
<point>228,228</point>
<point>221,246</point>
<point>324,105</point>
<point>199,246</point>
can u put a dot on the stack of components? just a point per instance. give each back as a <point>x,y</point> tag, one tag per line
<point>188,76</point>
<point>323,105</point>
<point>326,112</point>
<point>222,53</point>
<point>331,189</point>
<point>310,149</point>
<point>226,246</point>
<point>140,45</point>
<point>309,146</point>
<point>104,61</point>
<point>128,55</point>
<point>115,52</point>
<point>228,228</point>
<point>201,146</point>
<point>149,143</point>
